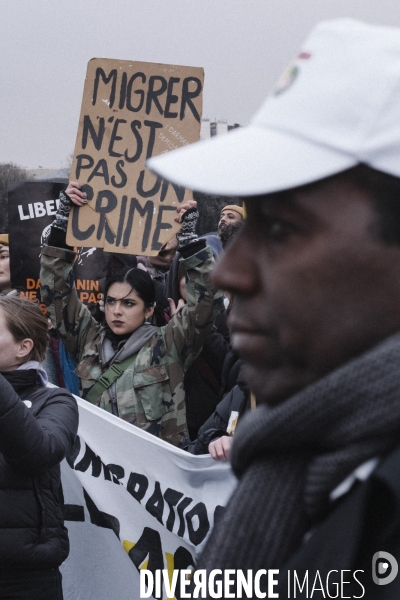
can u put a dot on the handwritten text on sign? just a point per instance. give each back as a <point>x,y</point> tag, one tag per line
<point>130,112</point>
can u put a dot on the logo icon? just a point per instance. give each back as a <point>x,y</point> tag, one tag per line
<point>286,79</point>
<point>384,568</point>
<point>290,74</point>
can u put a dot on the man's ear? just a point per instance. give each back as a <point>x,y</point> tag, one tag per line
<point>25,348</point>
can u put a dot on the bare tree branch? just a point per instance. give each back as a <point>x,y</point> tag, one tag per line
<point>8,172</point>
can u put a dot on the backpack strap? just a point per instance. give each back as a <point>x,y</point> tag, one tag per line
<point>107,379</point>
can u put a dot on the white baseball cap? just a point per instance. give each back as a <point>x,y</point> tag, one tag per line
<point>336,105</point>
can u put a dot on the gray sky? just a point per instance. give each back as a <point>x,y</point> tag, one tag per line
<point>243,46</point>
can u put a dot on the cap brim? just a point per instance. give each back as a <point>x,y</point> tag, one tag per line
<point>250,161</point>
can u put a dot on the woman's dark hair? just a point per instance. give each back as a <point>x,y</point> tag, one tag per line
<point>140,282</point>
<point>24,319</point>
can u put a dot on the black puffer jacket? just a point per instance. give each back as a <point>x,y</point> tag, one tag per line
<point>231,408</point>
<point>37,428</point>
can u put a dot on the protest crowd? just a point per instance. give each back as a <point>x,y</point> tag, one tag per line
<point>272,342</point>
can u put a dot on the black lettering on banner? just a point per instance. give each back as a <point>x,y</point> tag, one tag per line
<point>97,136</point>
<point>112,77</point>
<point>187,97</point>
<point>115,138</point>
<point>156,244</point>
<point>155,504</point>
<point>107,473</point>
<point>135,125</point>
<point>117,471</point>
<point>218,513</point>
<point>71,512</point>
<point>149,544</point>
<point>181,507</point>
<point>103,210</point>
<point>124,179</point>
<point>140,93</point>
<point>100,518</point>
<point>137,486</point>
<point>80,164</point>
<point>152,93</point>
<point>196,536</point>
<point>182,561</point>
<point>89,459</point>
<point>172,498</point>
<point>147,209</point>
<point>171,98</point>
<point>100,170</point>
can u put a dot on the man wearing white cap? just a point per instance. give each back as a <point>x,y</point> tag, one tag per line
<point>316,277</point>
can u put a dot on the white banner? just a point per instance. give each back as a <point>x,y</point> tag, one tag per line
<point>133,501</point>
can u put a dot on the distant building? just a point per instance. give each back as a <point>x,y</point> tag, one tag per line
<point>210,128</point>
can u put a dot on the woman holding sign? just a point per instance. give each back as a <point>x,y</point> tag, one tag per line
<point>127,366</point>
<point>37,429</point>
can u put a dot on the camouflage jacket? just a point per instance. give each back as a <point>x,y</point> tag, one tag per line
<point>150,392</point>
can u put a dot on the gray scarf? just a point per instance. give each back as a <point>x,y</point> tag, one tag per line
<point>289,458</point>
<point>125,349</point>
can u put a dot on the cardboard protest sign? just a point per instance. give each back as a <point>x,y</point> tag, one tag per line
<point>130,112</point>
<point>31,209</point>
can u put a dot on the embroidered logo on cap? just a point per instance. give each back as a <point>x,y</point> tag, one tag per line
<point>290,74</point>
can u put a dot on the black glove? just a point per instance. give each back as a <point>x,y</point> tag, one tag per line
<point>188,234</point>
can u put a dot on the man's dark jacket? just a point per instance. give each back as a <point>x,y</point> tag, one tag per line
<point>293,458</point>
<point>365,521</point>
<point>37,428</point>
